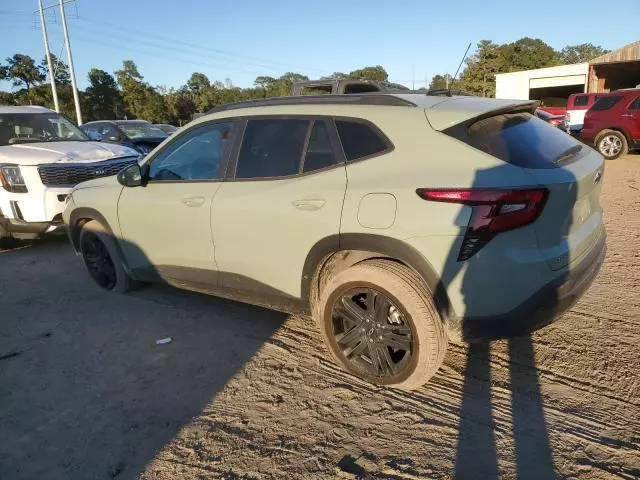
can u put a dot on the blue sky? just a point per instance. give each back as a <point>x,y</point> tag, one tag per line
<point>245,38</point>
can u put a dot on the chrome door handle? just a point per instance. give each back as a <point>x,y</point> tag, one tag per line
<point>309,203</point>
<point>627,115</point>
<point>193,201</point>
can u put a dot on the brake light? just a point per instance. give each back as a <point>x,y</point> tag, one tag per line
<point>493,211</point>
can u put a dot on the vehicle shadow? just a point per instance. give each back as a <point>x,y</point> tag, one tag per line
<point>478,454</point>
<point>85,391</point>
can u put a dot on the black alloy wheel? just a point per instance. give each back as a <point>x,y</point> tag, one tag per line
<point>373,334</point>
<point>98,261</point>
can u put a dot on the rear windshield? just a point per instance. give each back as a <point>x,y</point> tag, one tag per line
<point>580,101</point>
<point>522,139</point>
<point>605,103</point>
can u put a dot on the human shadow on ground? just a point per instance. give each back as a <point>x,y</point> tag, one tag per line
<point>481,285</point>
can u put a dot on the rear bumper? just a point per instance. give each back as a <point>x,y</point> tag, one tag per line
<point>544,307</point>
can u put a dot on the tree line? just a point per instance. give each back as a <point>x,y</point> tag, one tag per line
<point>489,58</point>
<point>126,94</point>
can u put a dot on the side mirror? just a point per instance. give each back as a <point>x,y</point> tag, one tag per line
<point>132,176</point>
<point>94,136</point>
<point>115,138</point>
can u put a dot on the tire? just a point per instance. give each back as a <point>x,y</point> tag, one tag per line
<point>103,260</point>
<point>404,316</point>
<point>612,144</point>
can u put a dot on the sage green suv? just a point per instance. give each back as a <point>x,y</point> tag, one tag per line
<point>397,221</point>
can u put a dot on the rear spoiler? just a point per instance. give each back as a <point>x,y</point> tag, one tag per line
<point>467,110</point>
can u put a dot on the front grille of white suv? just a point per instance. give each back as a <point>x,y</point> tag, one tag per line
<point>68,175</point>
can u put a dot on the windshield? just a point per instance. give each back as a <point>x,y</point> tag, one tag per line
<point>139,130</point>
<point>167,128</point>
<point>37,127</point>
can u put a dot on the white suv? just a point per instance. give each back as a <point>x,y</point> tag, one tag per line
<point>395,220</point>
<point>42,157</point>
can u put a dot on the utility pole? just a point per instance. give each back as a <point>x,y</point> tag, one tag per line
<point>413,77</point>
<point>70,59</point>
<point>47,54</point>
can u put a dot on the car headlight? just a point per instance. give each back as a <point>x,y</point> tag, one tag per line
<point>11,179</point>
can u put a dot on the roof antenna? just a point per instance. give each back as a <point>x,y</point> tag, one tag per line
<point>456,75</point>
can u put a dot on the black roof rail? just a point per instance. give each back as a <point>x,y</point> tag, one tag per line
<point>340,99</point>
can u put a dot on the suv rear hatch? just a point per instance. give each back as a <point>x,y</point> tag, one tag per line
<point>571,221</point>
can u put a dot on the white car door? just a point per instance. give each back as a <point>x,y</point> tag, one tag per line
<point>166,225</point>
<point>286,195</point>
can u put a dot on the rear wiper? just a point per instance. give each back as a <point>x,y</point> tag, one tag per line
<point>567,154</point>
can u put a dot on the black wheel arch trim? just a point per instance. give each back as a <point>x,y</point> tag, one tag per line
<point>376,246</point>
<point>74,228</point>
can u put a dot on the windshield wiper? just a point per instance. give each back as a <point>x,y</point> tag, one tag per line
<point>567,154</point>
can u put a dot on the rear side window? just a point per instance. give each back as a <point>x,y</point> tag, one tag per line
<point>359,139</point>
<point>605,103</point>
<point>520,139</point>
<point>279,147</point>
<point>635,105</point>
<point>580,101</point>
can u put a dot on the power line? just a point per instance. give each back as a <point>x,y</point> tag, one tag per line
<point>170,41</point>
<point>120,47</point>
<point>164,48</point>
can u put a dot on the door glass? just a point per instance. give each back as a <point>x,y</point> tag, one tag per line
<point>195,155</point>
<point>272,148</point>
<point>319,151</point>
<point>635,105</point>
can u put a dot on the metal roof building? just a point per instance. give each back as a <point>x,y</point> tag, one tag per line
<point>615,70</point>
<point>553,85</point>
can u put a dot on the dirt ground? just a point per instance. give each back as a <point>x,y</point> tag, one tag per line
<point>242,392</point>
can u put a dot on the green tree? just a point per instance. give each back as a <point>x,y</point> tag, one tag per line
<point>103,99</point>
<point>197,82</point>
<point>377,73</point>
<point>335,76</point>
<point>60,70</point>
<point>41,95</point>
<point>264,82</point>
<point>581,53</point>
<point>22,70</point>
<point>527,54</point>
<point>128,72</point>
<point>478,77</point>
<point>139,98</point>
<point>6,98</point>
<point>440,82</point>
<point>180,105</point>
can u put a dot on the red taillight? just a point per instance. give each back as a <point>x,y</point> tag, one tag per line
<point>493,211</point>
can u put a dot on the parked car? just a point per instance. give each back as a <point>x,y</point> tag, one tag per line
<point>554,110</point>
<point>577,106</point>
<point>612,124</point>
<point>42,157</point>
<point>166,128</point>
<point>344,86</point>
<point>555,120</point>
<point>138,134</point>
<point>462,218</point>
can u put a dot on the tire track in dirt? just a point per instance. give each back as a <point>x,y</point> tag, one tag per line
<point>291,413</point>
